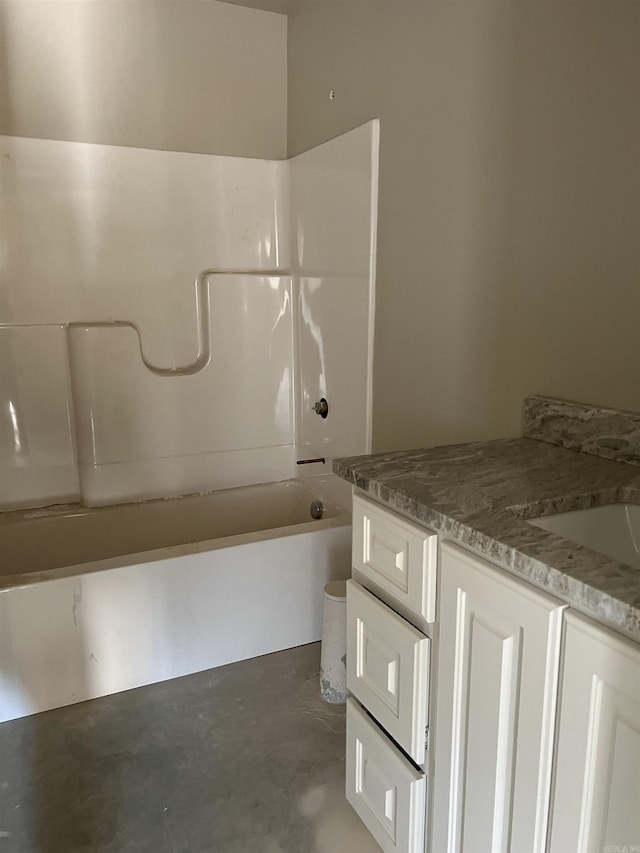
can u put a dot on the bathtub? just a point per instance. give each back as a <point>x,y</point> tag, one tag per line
<point>96,601</point>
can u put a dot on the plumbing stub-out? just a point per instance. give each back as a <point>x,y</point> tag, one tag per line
<point>321,408</point>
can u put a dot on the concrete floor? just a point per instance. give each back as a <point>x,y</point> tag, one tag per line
<point>245,758</point>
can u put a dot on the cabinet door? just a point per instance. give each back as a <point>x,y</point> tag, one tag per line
<point>385,789</point>
<point>388,668</point>
<point>497,682</point>
<point>597,784</point>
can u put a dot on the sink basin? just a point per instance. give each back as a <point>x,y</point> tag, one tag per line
<point>613,530</point>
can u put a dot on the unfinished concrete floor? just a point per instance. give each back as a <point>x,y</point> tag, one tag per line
<point>245,758</point>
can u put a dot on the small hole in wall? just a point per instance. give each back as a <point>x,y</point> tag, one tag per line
<point>332,94</point>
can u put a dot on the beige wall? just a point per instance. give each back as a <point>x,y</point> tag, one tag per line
<point>183,75</point>
<point>509,213</point>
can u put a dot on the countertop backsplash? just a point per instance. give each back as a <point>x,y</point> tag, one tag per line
<point>611,433</point>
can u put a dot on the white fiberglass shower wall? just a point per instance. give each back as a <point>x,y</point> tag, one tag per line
<point>168,320</point>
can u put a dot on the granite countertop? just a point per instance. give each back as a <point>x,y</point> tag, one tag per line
<point>481,494</point>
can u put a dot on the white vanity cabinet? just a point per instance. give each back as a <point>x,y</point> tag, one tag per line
<point>596,803</point>
<point>495,708</point>
<point>532,711</point>
<point>388,674</point>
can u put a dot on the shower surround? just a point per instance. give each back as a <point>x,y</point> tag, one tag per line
<point>168,320</point>
<point>167,323</point>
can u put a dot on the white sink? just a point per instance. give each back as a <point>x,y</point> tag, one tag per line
<point>613,530</point>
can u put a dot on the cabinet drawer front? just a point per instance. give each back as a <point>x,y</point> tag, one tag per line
<point>388,668</point>
<point>386,791</point>
<point>398,556</point>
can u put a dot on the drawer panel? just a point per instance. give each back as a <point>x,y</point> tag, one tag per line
<point>388,668</point>
<point>386,790</point>
<point>398,556</point>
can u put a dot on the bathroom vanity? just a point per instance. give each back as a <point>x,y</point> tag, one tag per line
<point>494,665</point>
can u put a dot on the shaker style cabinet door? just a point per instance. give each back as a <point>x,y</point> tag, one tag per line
<point>597,785</point>
<point>496,694</point>
<point>388,668</point>
<point>385,789</point>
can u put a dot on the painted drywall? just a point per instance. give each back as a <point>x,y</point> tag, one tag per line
<point>180,75</point>
<point>509,202</point>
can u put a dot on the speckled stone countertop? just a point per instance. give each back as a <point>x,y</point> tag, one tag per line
<point>481,494</point>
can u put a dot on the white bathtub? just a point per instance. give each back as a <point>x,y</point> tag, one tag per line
<point>95,601</point>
